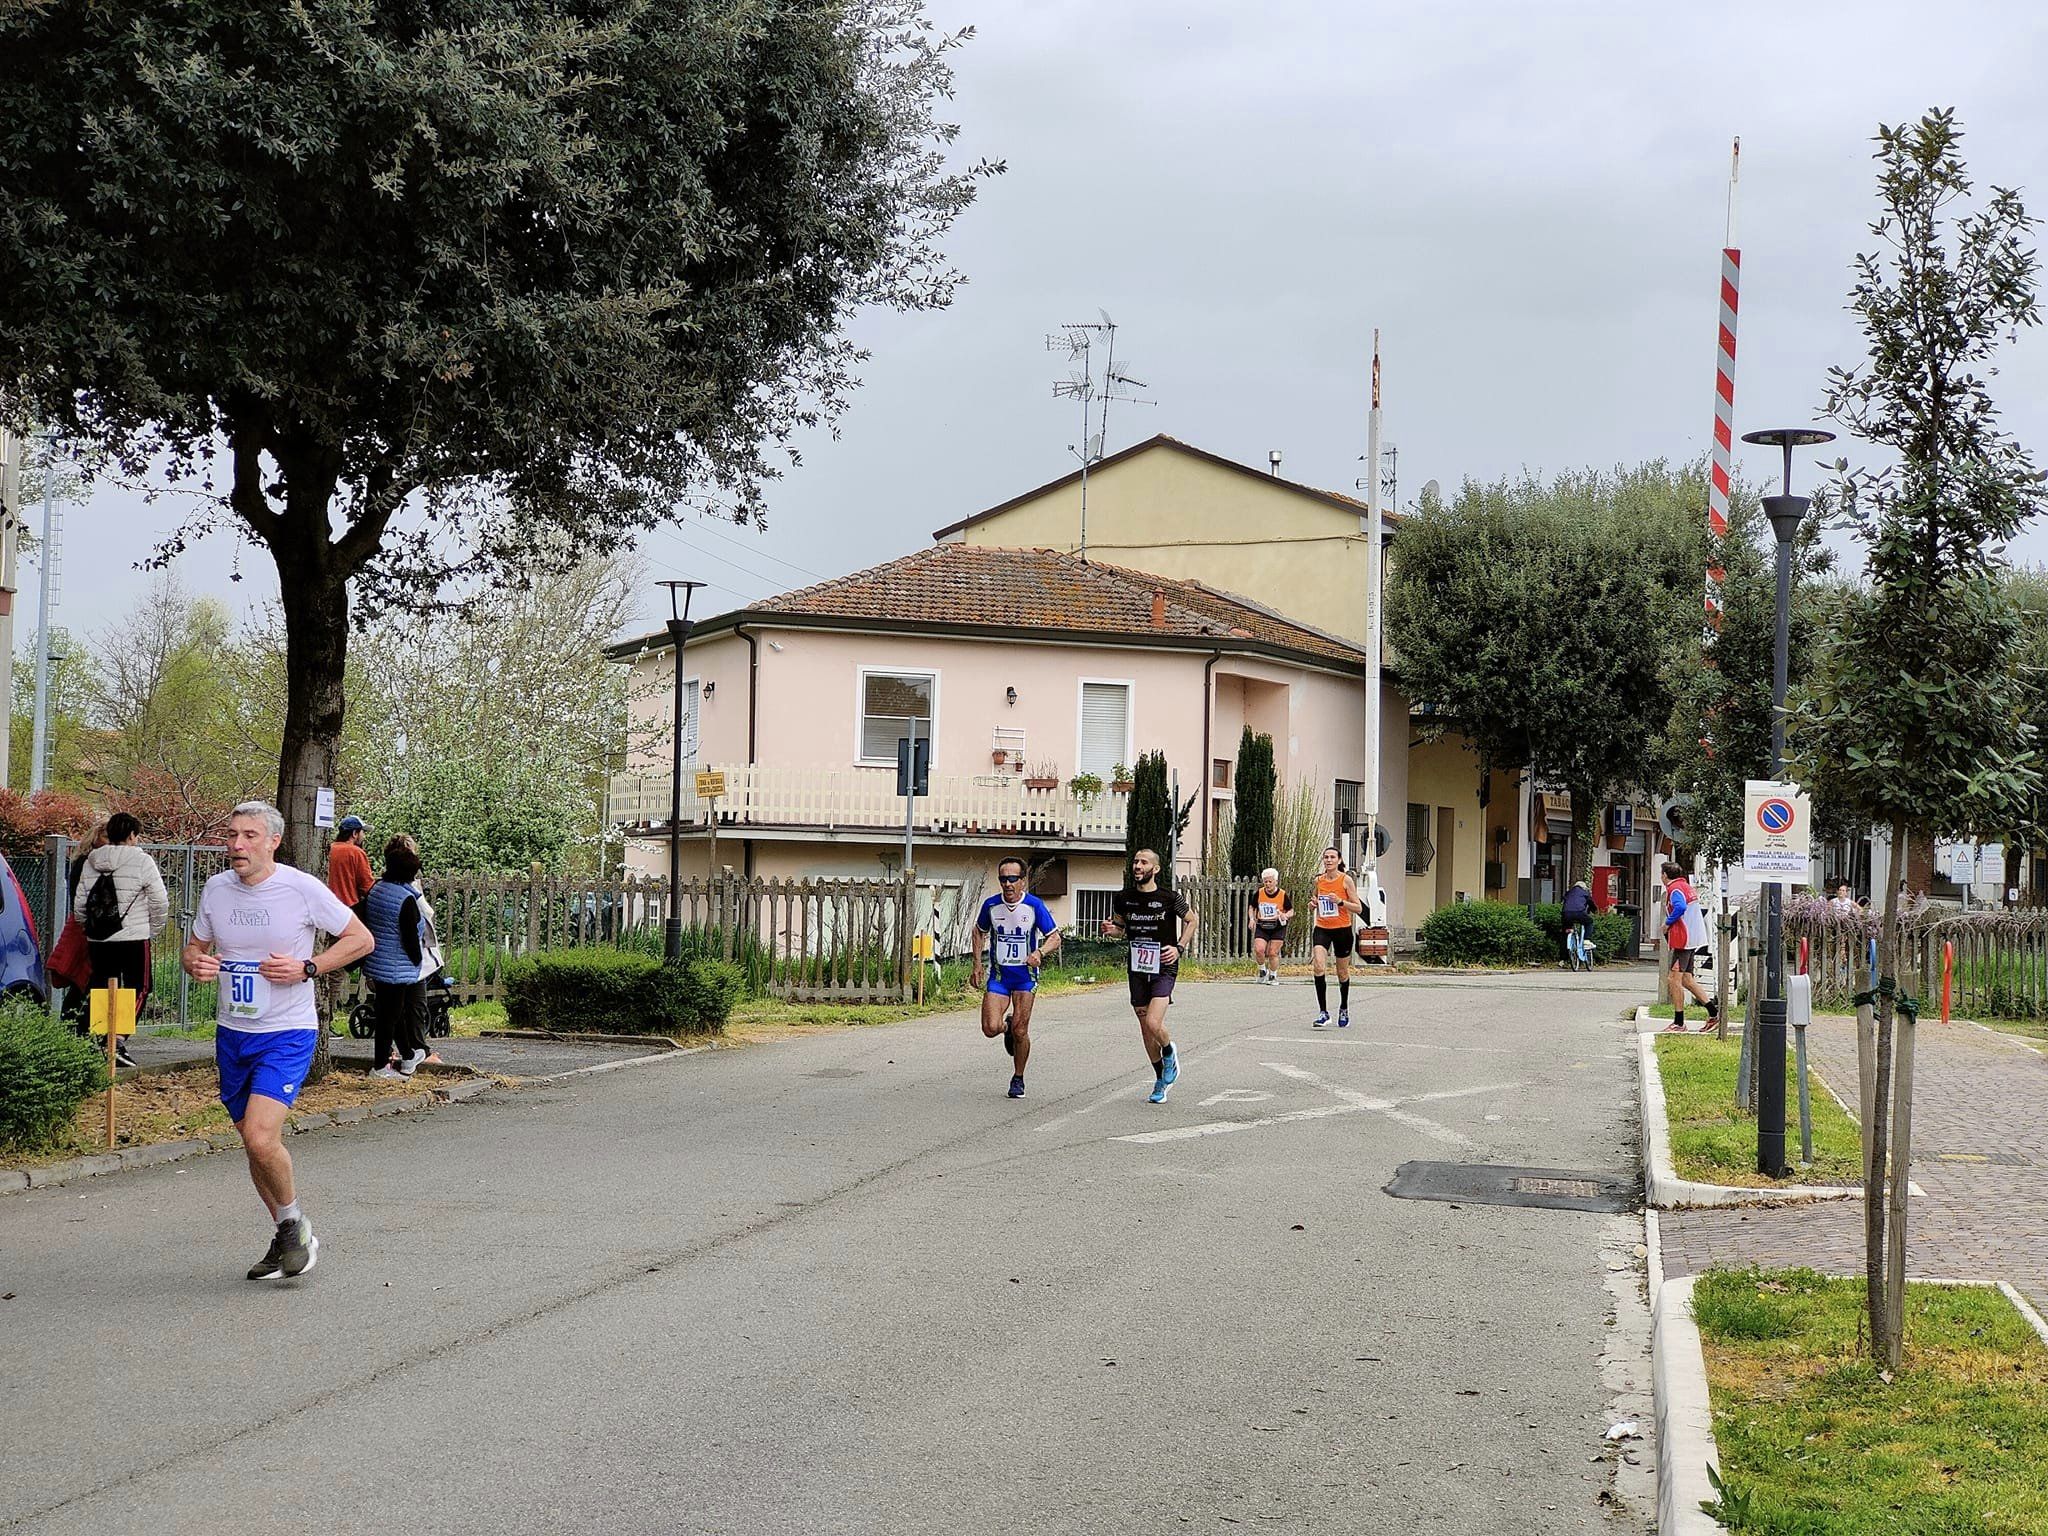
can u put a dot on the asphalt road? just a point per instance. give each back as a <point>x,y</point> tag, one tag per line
<point>839,1283</point>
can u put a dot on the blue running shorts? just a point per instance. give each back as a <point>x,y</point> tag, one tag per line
<point>1003,980</point>
<point>273,1065</point>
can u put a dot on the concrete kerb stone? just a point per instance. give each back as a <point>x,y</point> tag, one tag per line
<point>2026,1310</point>
<point>1685,1417</point>
<point>630,1061</point>
<point>1664,1190</point>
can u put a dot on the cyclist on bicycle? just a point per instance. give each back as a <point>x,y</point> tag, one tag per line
<point>1578,923</point>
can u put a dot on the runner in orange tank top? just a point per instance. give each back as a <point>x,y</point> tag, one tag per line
<point>1336,903</point>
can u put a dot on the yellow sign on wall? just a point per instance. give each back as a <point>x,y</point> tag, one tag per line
<point>710,786</point>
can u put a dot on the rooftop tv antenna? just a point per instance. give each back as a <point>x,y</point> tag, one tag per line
<point>1094,390</point>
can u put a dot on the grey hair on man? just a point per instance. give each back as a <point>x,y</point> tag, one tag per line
<point>272,817</point>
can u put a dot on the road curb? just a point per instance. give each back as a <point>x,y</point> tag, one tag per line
<point>1664,1190</point>
<point>613,1066</point>
<point>1685,1417</point>
<point>157,1153</point>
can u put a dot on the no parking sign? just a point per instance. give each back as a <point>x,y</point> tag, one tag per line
<point>1777,832</point>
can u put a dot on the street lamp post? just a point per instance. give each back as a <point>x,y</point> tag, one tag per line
<point>679,636</point>
<point>1786,512</point>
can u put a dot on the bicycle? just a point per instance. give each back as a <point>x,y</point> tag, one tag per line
<point>1578,949</point>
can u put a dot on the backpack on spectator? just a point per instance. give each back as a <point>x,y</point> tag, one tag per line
<point>103,915</point>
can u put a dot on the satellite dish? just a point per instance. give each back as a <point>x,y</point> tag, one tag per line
<point>1431,491</point>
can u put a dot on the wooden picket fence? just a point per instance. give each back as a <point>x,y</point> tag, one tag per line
<point>825,940</point>
<point>2000,964</point>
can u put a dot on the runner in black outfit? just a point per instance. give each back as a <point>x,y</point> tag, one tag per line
<point>1159,925</point>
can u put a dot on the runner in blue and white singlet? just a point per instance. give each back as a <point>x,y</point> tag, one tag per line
<point>1019,931</point>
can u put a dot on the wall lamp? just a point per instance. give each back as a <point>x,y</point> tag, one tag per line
<point>1010,694</point>
<point>710,688</point>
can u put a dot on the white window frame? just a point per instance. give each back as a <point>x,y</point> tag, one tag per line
<point>1130,688</point>
<point>860,710</point>
<point>1081,920</point>
<point>693,695</point>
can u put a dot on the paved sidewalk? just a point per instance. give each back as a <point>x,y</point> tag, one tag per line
<point>1980,1151</point>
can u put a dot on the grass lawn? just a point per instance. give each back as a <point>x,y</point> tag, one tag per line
<point>1812,1441</point>
<point>1713,1141</point>
<point>2029,1029</point>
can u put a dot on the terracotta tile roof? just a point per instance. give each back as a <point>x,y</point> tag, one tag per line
<point>976,585</point>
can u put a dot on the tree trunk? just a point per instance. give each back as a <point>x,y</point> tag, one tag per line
<point>1585,827</point>
<point>316,661</point>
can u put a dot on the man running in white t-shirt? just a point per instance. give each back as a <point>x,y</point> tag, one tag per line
<point>254,935</point>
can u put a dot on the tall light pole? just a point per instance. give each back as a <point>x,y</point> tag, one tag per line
<point>1786,512</point>
<point>679,595</point>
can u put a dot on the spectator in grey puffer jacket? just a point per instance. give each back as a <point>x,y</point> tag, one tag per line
<point>122,957</point>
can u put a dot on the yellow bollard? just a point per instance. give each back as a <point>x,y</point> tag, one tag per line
<point>112,1015</point>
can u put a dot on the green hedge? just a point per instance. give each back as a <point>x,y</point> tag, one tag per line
<point>46,1072</point>
<point>1479,933</point>
<point>614,992</point>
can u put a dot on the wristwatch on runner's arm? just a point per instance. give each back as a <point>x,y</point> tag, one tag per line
<point>312,970</point>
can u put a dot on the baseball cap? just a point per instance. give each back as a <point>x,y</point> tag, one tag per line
<point>351,824</point>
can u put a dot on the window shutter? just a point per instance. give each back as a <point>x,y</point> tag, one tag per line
<point>689,724</point>
<point>1105,726</point>
<point>889,702</point>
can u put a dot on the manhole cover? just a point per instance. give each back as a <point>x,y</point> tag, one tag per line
<point>833,1072</point>
<point>1556,1189</point>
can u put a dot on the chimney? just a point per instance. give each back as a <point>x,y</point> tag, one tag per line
<point>1158,609</point>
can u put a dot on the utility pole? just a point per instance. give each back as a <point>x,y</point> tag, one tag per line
<point>1369,859</point>
<point>40,738</point>
<point>11,448</point>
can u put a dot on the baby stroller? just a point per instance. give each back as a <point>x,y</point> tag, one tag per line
<point>362,1016</point>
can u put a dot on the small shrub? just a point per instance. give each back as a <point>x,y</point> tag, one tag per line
<point>46,1072</point>
<point>609,991</point>
<point>1479,933</point>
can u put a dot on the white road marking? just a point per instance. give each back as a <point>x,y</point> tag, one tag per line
<point>1353,1102</point>
<point>1237,1096</point>
<point>1399,1045</point>
<point>1123,1093</point>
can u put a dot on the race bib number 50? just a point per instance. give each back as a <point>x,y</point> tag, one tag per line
<point>242,988</point>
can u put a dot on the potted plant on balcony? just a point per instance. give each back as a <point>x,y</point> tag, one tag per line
<point>999,756</point>
<point>1086,787</point>
<point>1043,776</point>
<point>1120,779</point>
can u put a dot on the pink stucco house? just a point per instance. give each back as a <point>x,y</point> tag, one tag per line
<point>1022,665</point>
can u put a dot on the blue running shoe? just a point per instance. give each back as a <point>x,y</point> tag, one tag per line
<point>1158,1093</point>
<point>1323,1019</point>
<point>1344,1018</point>
<point>1169,1067</point>
<point>1016,1085</point>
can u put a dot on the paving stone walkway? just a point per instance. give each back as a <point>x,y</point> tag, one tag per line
<point>1980,1151</point>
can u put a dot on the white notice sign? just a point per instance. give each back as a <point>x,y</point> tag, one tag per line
<point>323,807</point>
<point>1777,833</point>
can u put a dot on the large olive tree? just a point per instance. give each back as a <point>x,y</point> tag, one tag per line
<point>422,294</point>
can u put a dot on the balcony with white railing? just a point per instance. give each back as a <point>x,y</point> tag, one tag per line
<point>778,799</point>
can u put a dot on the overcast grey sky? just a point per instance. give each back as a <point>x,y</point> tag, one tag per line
<point>1527,200</point>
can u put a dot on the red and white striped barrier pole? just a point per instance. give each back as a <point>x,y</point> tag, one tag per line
<point>1724,399</point>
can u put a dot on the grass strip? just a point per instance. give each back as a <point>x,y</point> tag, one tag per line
<point>1715,1143</point>
<point>1813,1440</point>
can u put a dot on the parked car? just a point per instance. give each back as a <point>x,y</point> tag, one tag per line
<point>21,953</point>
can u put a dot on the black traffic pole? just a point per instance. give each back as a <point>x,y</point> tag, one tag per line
<point>678,636</point>
<point>1786,512</point>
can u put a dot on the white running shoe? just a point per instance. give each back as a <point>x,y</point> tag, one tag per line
<point>387,1071</point>
<point>407,1065</point>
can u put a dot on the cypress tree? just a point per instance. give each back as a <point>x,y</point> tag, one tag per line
<point>1150,822</point>
<point>1251,837</point>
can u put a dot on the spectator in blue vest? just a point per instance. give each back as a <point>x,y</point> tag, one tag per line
<point>394,912</point>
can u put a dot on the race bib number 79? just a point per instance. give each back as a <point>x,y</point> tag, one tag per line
<point>1011,949</point>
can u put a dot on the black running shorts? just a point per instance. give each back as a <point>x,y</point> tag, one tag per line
<point>1336,940</point>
